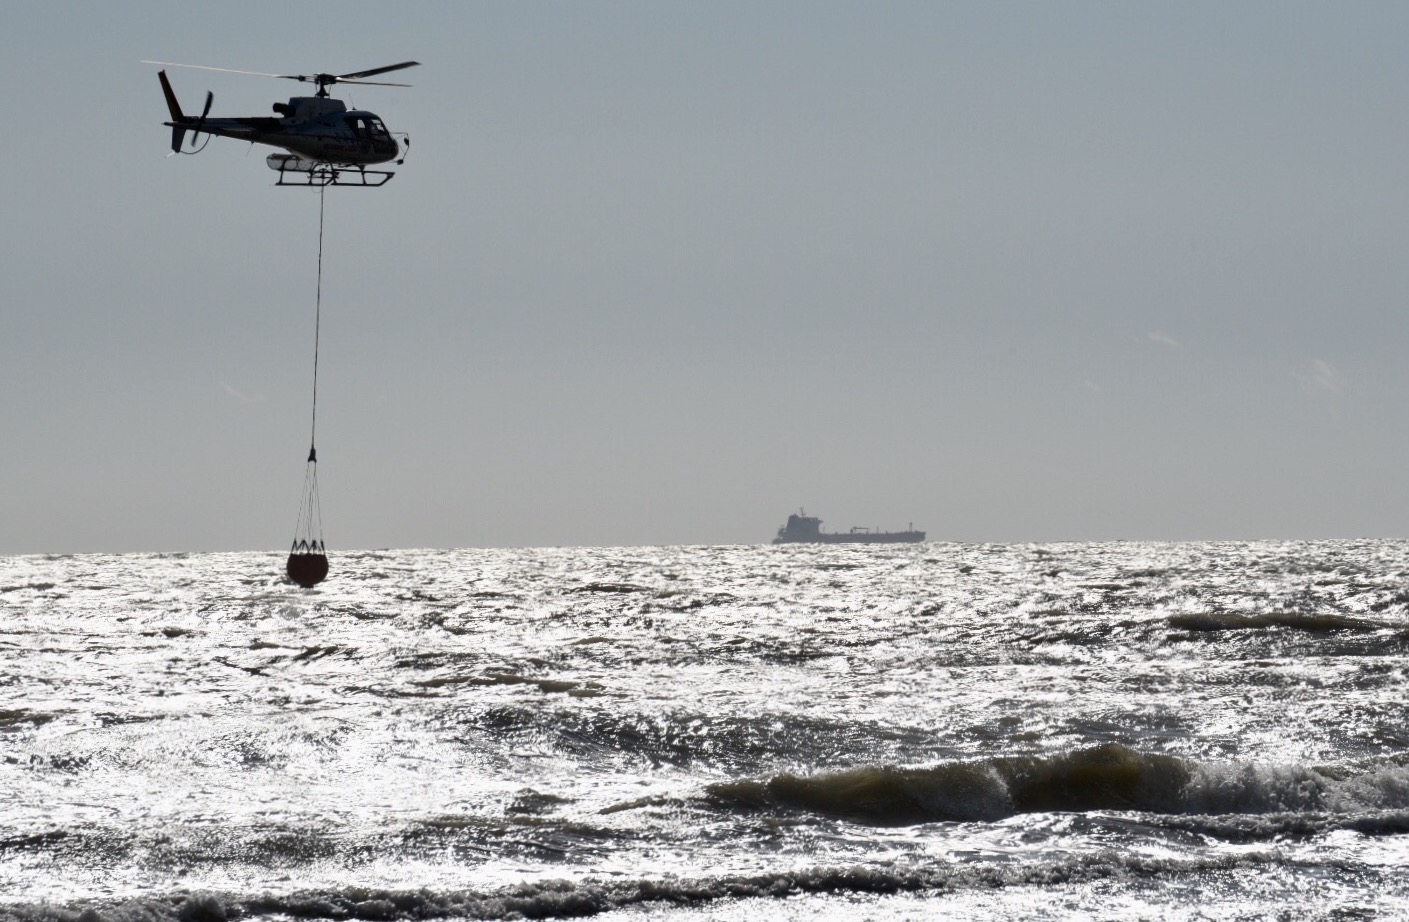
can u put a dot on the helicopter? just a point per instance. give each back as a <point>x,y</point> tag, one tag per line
<point>323,142</point>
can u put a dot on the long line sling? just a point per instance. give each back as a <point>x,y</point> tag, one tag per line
<point>308,558</point>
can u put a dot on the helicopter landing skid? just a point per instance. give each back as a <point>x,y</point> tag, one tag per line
<point>296,171</point>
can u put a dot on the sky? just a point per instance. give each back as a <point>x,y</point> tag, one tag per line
<point>660,273</point>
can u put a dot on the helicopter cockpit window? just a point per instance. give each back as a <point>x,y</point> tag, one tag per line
<point>367,126</point>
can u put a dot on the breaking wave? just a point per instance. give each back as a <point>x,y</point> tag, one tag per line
<point>1110,777</point>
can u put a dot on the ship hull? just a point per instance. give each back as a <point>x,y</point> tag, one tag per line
<point>888,537</point>
<point>807,529</point>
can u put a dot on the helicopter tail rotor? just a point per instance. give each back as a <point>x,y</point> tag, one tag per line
<point>209,98</point>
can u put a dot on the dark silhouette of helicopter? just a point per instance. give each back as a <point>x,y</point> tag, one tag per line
<point>326,143</point>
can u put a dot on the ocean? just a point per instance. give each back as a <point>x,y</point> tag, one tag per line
<point>1214,730</point>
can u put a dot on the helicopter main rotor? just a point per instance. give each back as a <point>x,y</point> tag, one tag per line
<point>323,80</point>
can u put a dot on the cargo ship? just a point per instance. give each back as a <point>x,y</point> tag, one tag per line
<point>807,529</point>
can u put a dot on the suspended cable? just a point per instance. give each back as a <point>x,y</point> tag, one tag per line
<point>308,559</point>
<point>317,324</point>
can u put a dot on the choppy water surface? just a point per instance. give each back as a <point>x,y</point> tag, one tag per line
<point>1183,731</point>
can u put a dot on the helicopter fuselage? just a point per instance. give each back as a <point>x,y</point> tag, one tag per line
<point>315,128</point>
